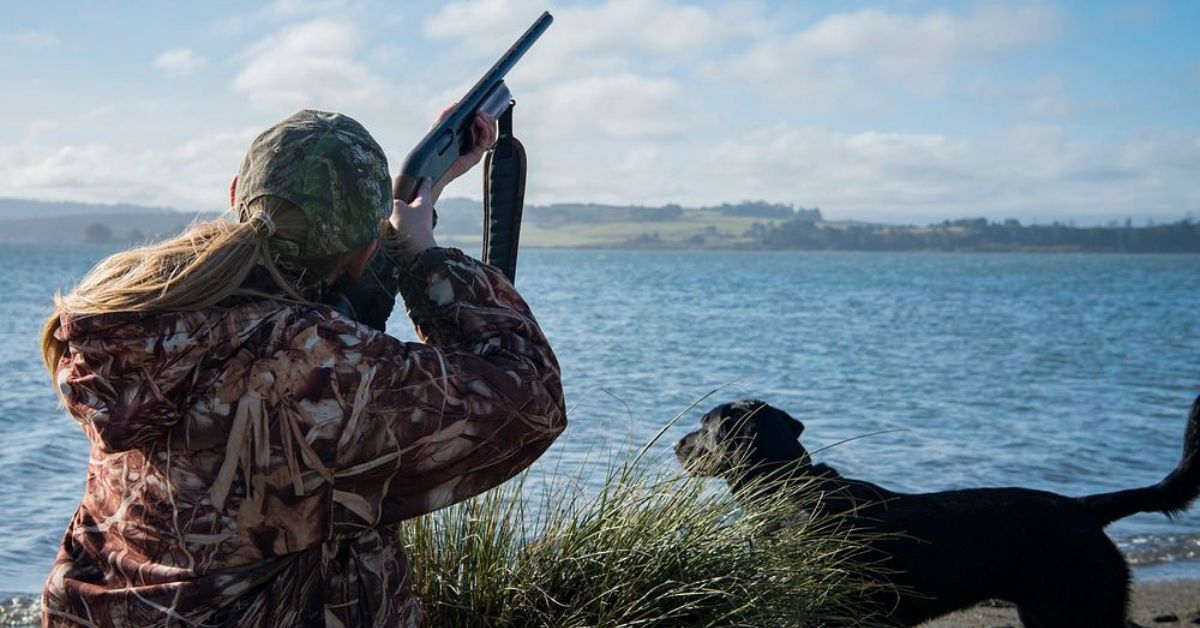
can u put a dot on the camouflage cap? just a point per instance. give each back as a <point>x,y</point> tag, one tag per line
<point>329,166</point>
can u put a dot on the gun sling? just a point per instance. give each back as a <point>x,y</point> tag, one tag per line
<point>503,198</point>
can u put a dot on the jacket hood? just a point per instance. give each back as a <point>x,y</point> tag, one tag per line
<point>129,378</point>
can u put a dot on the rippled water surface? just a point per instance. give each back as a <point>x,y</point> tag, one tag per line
<point>1071,373</point>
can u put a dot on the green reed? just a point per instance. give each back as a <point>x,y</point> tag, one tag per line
<point>651,548</point>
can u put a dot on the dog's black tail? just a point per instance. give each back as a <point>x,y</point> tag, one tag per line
<point>1170,497</point>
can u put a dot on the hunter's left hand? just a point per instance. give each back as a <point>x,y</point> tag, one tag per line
<point>483,129</point>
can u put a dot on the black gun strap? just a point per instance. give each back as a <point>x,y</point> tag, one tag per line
<point>503,198</point>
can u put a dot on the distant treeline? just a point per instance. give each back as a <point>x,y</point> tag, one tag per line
<point>763,209</point>
<point>979,234</point>
<point>772,226</point>
<point>131,228</point>
<point>560,214</point>
<point>17,208</point>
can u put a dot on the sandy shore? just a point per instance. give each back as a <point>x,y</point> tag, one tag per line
<point>1166,603</point>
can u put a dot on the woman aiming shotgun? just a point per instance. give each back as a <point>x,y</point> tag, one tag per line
<point>253,446</point>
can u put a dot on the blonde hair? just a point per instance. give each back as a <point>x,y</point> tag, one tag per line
<point>195,270</point>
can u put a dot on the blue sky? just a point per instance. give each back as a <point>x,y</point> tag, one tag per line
<point>893,111</point>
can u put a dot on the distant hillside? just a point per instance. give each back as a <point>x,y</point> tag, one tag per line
<point>17,208</point>
<point>125,227</point>
<point>595,225</point>
<point>746,225</point>
<point>460,223</point>
<point>978,234</point>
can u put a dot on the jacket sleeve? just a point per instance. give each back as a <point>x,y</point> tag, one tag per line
<point>426,425</point>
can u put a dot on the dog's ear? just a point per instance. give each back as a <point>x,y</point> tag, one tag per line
<point>796,426</point>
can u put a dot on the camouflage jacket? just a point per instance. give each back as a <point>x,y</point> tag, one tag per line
<point>249,463</point>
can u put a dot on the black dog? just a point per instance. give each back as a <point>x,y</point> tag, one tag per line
<point>946,551</point>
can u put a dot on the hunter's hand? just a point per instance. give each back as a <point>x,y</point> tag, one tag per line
<point>483,129</point>
<point>413,222</point>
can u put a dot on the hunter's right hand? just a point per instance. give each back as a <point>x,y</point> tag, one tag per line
<point>413,222</point>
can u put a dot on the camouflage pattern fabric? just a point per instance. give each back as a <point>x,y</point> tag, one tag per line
<point>330,167</point>
<point>249,463</point>
<point>371,298</point>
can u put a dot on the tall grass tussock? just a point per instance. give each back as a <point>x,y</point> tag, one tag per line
<point>651,548</point>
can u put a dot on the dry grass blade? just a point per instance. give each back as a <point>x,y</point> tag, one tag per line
<point>650,549</point>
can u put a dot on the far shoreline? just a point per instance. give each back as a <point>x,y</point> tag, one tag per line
<point>749,225</point>
<point>469,246</point>
<point>620,249</point>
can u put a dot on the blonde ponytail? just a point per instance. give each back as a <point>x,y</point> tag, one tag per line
<point>195,270</point>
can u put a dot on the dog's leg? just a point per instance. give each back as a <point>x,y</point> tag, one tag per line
<point>1027,620</point>
<point>1071,617</point>
<point>1103,604</point>
<point>1093,607</point>
<point>1087,584</point>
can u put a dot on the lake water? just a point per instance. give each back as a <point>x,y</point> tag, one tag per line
<point>1071,373</point>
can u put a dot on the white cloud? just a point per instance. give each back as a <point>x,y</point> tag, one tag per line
<point>1025,171</point>
<point>603,37</point>
<point>1031,172</point>
<point>1043,97</point>
<point>33,40</point>
<point>192,175</point>
<point>604,92</point>
<point>841,61</point>
<point>610,138</point>
<point>179,62</point>
<point>609,91</point>
<point>259,18</point>
<point>1046,99</point>
<point>657,101</point>
<point>619,106</point>
<point>900,42</point>
<point>482,22</point>
<point>312,64</point>
<point>914,52</point>
<point>305,7</point>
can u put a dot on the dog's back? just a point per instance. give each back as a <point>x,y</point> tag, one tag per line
<point>952,549</point>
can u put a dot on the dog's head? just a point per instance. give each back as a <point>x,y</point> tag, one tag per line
<point>742,437</point>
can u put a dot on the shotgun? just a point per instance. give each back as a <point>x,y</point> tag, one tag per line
<point>444,143</point>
